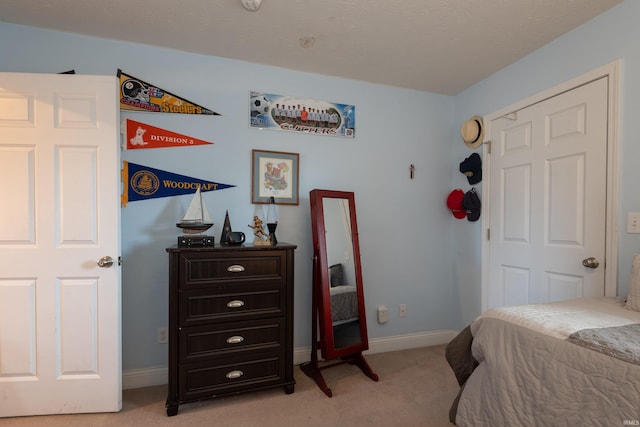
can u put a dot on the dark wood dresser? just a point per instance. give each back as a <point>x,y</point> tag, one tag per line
<point>230,321</point>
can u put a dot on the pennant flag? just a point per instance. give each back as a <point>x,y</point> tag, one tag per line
<point>138,95</point>
<point>142,135</point>
<point>143,182</point>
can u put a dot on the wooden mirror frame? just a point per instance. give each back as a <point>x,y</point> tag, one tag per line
<point>321,299</point>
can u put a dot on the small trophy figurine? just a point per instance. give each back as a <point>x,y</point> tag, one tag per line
<point>261,238</point>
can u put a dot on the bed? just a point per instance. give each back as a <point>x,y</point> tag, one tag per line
<point>344,298</point>
<point>574,362</point>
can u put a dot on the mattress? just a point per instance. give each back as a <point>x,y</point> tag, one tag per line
<point>529,373</point>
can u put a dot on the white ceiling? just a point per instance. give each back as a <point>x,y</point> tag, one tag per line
<point>440,46</point>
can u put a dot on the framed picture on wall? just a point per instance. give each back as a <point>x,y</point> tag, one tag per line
<point>303,115</point>
<point>274,174</point>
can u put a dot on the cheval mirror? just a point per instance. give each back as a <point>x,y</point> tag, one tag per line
<point>339,325</point>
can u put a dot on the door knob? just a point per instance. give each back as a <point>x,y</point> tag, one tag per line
<point>105,262</point>
<point>590,262</point>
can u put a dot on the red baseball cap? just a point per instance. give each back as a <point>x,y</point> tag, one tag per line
<point>454,203</point>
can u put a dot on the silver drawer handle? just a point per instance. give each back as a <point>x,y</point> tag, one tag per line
<point>236,303</point>
<point>236,268</point>
<point>234,374</point>
<point>237,339</point>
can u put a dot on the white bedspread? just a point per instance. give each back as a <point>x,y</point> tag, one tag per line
<point>530,376</point>
<point>561,319</point>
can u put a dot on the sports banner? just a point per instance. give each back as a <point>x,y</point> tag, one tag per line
<point>141,135</point>
<point>302,115</point>
<point>138,95</point>
<point>142,182</point>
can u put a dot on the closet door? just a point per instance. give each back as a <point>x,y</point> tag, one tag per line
<point>548,199</point>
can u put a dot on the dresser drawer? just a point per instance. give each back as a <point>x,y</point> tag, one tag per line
<point>198,342</point>
<point>204,269</point>
<point>239,302</point>
<point>230,375</point>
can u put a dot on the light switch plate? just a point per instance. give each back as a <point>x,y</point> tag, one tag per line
<point>633,222</point>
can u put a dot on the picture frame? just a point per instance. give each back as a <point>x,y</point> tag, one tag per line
<point>274,174</point>
<point>302,115</point>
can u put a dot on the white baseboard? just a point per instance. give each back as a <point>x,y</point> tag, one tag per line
<point>394,343</point>
<point>147,377</point>
<point>405,342</point>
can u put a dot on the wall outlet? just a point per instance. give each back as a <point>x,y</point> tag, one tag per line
<point>163,335</point>
<point>383,314</point>
<point>403,310</point>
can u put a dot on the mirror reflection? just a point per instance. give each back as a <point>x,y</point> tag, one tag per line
<point>345,318</point>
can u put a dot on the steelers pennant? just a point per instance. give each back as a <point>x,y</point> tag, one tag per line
<point>138,95</point>
<point>141,135</point>
<point>142,182</point>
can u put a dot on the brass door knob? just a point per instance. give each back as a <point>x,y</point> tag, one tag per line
<point>105,262</point>
<point>590,262</point>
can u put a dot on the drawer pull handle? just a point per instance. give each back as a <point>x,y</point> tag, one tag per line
<point>234,374</point>
<point>236,268</point>
<point>236,303</point>
<point>237,339</point>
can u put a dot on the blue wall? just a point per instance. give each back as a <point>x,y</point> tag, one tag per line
<point>413,252</point>
<point>611,36</point>
<point>404,226</point>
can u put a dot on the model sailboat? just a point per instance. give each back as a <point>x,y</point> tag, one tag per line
<point>197,218</point>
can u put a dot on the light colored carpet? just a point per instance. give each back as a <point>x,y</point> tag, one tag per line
<point>415,389</point>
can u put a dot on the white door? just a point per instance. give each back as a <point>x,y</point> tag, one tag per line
<point>60,312</point>
<point>548,179</point>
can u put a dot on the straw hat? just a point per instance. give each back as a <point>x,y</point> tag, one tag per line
<point>472,132</point>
